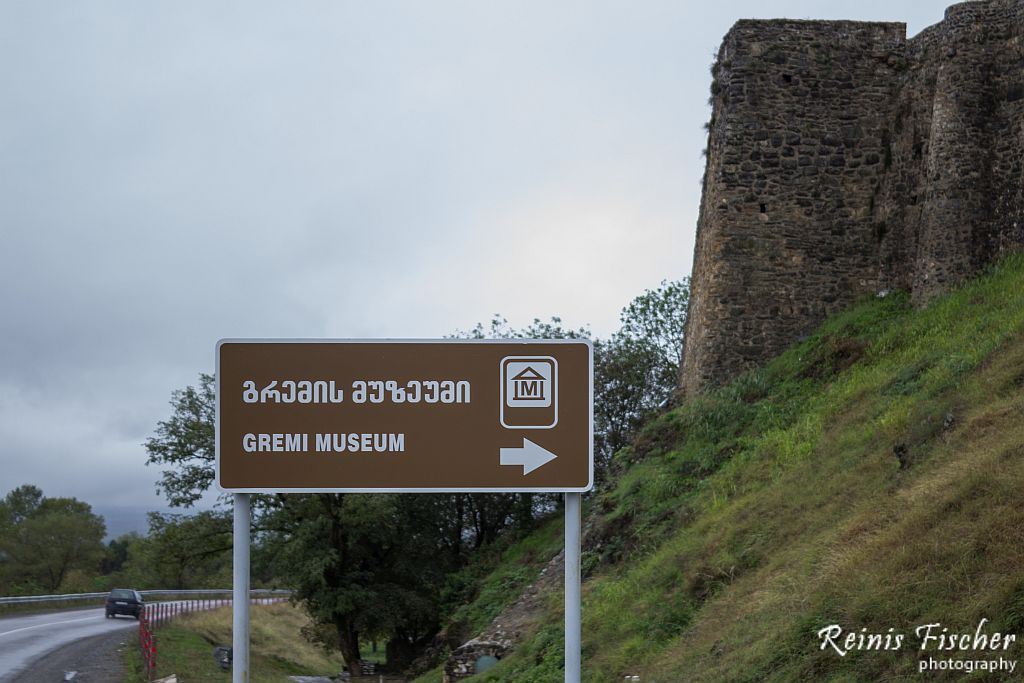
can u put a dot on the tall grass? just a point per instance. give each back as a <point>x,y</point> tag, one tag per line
<point>277,647</point>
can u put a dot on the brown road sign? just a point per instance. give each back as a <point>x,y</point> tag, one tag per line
<point>439,415</point>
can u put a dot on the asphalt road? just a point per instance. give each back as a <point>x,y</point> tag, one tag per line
<point>26,639</point>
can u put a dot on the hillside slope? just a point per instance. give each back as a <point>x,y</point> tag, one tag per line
<point>872,478</point>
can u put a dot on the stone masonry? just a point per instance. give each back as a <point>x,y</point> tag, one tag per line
<point>502,634</point>
<point>845,159</point>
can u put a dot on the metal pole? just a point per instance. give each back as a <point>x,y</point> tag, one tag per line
<point>573,617</point>
<point>240,592</point>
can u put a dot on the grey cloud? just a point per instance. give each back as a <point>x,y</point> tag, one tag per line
<point>173,173</point>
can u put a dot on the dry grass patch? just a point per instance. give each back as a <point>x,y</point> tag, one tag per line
<point>276,634</point>
<point>277,647</point>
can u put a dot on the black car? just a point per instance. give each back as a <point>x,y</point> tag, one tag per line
<point>124,601</point>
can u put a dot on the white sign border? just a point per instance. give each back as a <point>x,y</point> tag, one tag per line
<point>488,489</point>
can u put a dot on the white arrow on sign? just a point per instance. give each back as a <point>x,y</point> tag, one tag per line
<point>530,456</point>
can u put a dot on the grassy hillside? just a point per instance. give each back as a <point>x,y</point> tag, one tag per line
<point>871,477</point>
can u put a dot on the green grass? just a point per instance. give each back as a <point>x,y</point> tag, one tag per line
<point>496,577</point>
<point>744,521</point>
<point>434,676</point>
<point>501,573</point>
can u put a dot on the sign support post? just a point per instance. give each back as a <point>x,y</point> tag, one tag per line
<point>240,590</point>
<point>573,615</point>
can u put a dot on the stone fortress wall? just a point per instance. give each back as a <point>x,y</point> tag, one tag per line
<point>845,159</point>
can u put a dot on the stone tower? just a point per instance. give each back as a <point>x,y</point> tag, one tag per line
<point>844,159</point>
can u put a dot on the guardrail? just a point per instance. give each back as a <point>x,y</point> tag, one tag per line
<point>81,597</point>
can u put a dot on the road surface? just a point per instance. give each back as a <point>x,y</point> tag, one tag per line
<point>25,639</point>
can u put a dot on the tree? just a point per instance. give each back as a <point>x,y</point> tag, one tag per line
<point>43,539</point>
<point>499,328</point>
<point>188,551</point>
<point>185,444</point>
<point>118,551</point>
<point>365,566</point>
<point>657,318</point>
<point>625,377</point>
<point>636,370</point>
<point>21,503</point>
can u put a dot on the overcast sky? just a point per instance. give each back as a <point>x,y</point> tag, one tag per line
<point>176,172</point>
